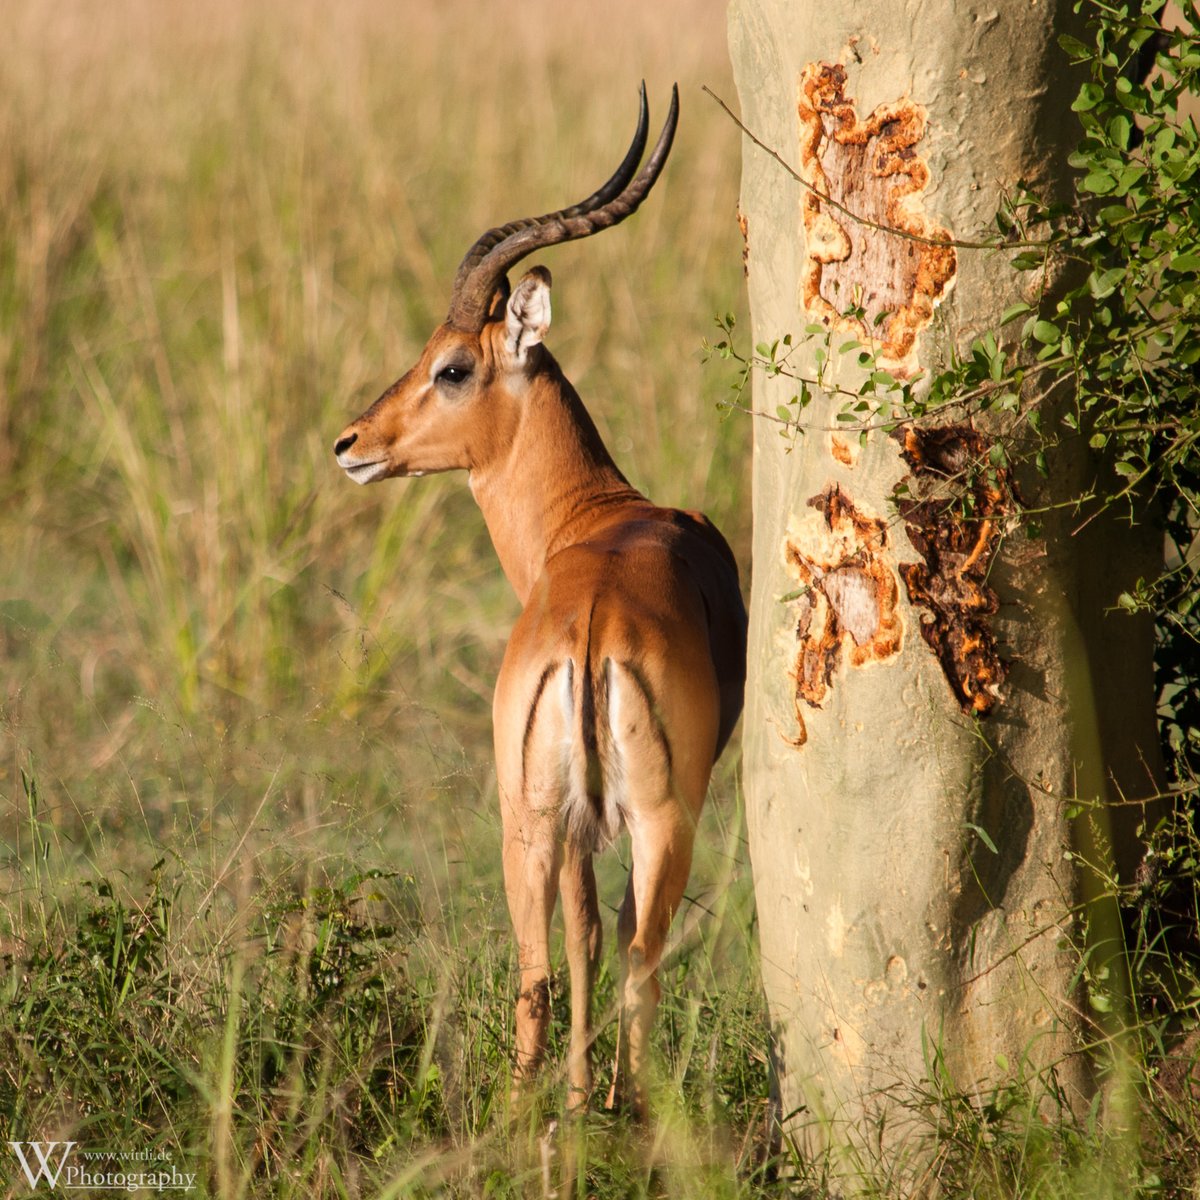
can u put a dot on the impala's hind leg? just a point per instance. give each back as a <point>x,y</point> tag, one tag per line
<point>661,781</point>
<point>581,916</point>
<point>662,858</point>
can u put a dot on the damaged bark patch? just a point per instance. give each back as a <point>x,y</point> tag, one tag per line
<point>845,450</point>
<point>846,607</point>
<point>955,511</point>
<point>871,167</point>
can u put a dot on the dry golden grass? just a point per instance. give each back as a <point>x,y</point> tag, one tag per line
<point>226,228</point>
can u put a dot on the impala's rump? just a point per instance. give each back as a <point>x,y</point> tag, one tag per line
<point>589,728</point>
<point>640,619</point>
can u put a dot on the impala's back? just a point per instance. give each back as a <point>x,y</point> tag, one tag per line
<point>623,677</point>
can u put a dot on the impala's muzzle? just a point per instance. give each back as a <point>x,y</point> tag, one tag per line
<point>361,469</point>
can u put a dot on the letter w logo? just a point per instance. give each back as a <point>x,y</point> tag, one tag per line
<point>43,1153</point>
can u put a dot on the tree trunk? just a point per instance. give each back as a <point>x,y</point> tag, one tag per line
<point>929,696</point>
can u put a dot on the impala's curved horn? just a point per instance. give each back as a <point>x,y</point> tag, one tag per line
<point>497,251</point>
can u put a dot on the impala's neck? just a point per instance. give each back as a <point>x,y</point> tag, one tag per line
<point>540,490</point>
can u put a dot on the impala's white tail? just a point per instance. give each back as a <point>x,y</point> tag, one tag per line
<point>610,726</point>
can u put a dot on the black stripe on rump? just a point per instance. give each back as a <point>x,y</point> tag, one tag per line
<point>652,708</point>
<point>532,715</point>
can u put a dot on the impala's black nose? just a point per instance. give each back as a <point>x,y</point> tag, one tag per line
<point>343,444</point>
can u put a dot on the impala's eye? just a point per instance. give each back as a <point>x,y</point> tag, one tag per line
<point>454,374</point>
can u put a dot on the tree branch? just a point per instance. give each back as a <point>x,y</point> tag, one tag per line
<point>861,220</point>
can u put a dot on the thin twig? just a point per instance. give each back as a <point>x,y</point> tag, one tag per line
<point>861,220</point>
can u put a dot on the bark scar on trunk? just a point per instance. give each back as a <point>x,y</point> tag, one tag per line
<point>871,167</point>
<point>957,507</point>
<point>845,450</point>
<point>846,607</point>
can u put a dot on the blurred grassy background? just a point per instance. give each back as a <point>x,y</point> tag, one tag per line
<point>224,229</point>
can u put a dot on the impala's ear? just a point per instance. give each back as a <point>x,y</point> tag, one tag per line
<point>528,314</point>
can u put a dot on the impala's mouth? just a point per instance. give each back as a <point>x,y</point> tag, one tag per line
<point>365,472</point>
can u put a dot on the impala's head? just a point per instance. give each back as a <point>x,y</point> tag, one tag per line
<point>446,410</point>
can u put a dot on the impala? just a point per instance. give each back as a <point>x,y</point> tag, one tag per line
<point>623,677</point>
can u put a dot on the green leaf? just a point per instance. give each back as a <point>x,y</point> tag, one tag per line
<point>1114,214</point>
<point>1013,311</point>
<point>982,835</point>
<point>1046,332</point>
<point>1090,94</point>
<point>1099,182</point>
<point>1164,140</point>
<point>1131,175</point>
<point>1106,282</point>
